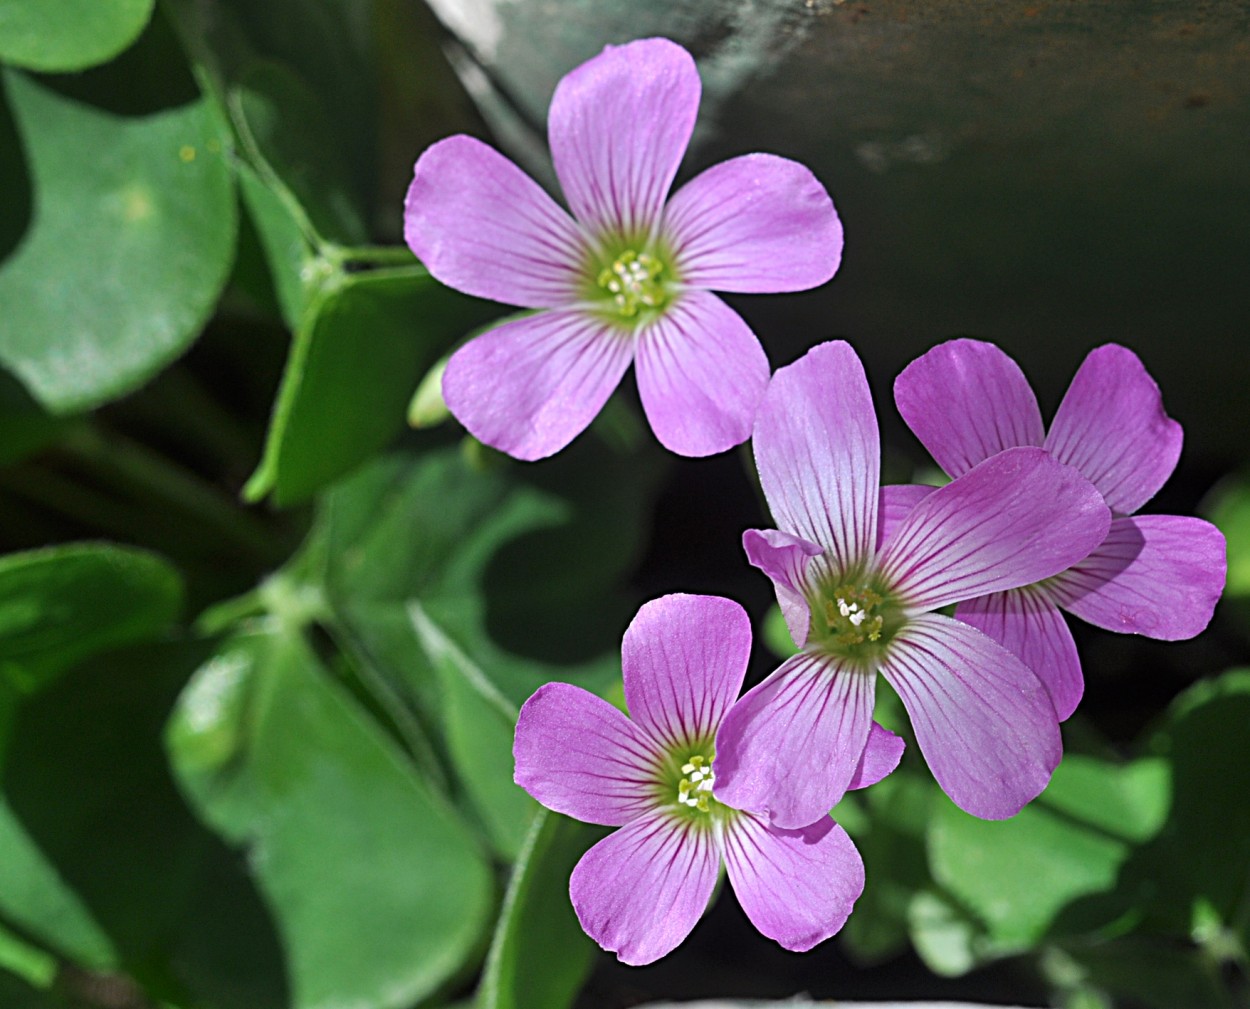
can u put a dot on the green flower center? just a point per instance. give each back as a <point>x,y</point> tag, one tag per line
<point>695,790</point>
<point>853,620</point>
<point>683,785</point>
<point>634,282</point>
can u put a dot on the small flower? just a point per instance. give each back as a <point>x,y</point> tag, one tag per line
<point>640,891</point>
<point>1157,575</point>
<point>627,277</point>
<point>858,602</point>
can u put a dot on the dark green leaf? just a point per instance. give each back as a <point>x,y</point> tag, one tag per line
<point>64,603</point>
<point>16,993</point>
<point>292,263</point>
<point>540,956</point>
<point>1017,875</point>
<point>357,356</point>
<point>128,252</point>
<point>379,891</point>
<point>52,35</point>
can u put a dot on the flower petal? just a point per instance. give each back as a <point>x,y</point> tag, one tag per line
<point>1157,575</point>
<point>791,745</point>
<point>758,224</point>
<point>796,886</point>
<point>1112,427</point>
<point>784,559</point>
<point>1012,520</point>
<point>683,660</point>
<point>530,386</point>
<point>1029,625</point>
<point>982,720</point>
<point>618,127</point>
<point>818,452</point>
<point>966,400</point>
<point>896,502</point>
<point>482,226</point>
<point>701,375</point>
<point>640,890</point>
<point>580,756</point>
<point>881,755</point>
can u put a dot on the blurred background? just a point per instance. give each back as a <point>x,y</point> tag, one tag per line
<point>266,617</point>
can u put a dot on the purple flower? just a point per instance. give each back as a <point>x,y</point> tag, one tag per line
<point>859,599</point>
<point>627,277</point>
<point>1157,575</point>
<point>640,891</point>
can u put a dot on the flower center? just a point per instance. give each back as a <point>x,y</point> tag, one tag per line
<point>695,789</point>
<point>853,620</point>
<point>634,283</point>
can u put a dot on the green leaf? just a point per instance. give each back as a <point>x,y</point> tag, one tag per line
<point>54,35</point>
<point>131,243</point>
<point>540,956</point>
<point>1153,974</point>
<point>379,892</point>
<point>113,871</point>
<point>61,604</point>
<point>357,356</point>
<point>1231,513</point>
<point>1018,875</point>
<point>16,993</point>
<point>293,266</point>
<point>1200,865</point>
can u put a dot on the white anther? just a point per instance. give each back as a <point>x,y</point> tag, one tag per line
<point>858,618</point>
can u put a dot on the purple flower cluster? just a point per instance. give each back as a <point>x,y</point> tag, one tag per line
<point>1032,521</point>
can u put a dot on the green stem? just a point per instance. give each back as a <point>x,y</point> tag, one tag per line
<point>130,464</point>
<point>370,255</point>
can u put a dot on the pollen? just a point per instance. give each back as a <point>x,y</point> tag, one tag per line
<point>695,789</point>
<point>851,617</point>
<point>634,282</point>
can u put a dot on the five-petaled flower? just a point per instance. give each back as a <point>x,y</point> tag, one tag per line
<point>1157,575</point>
<point>640,891</point>
<point>858,571</point>
<point>627,277</point>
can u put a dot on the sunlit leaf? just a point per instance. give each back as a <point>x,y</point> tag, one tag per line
<point>52,35</point>
<point>378,891</point>
<point>131,241</point>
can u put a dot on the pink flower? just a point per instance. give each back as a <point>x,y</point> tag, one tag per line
<point>860,599</point>
<point>628,276</point>
<point>640,891</point>
<point>1157,575</point>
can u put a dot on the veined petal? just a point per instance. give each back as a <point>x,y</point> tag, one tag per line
<point>758,224</point>
<point>791,745</point>
<point>482,226</point>
<point>683,660</point>
<point>1012,520</point>
<point>701,375</point>
<point>966,400</point>
<point>1112,427</point>
<point>982,720</point>
<point>618,127</point>
<point>796,886</point>
<point>640,890</point>
<point>1028,623</point>
<point>819,454</point>
<point>1157,575</point>
<point>530,386</point>
<point>580,756</point>
<point>896,502</point>
<point>784,559</point>
<point>881,755</point>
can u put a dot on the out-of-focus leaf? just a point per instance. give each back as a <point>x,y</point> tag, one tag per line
<point>1153,974</point>
<point>19,957</point>
<point>945,936</point>
<point>15,993</point>
<point>1017,875</point>
<point>540,956</point>
<point>82,327</point>
<point>1231,512</point>
<point>379,892</point>
<point>61,604</point>
<point>113,871</point>
<point>357,356</point>
<point>54,35</point>
<point>1200,862</point>
<point>889,831</point>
